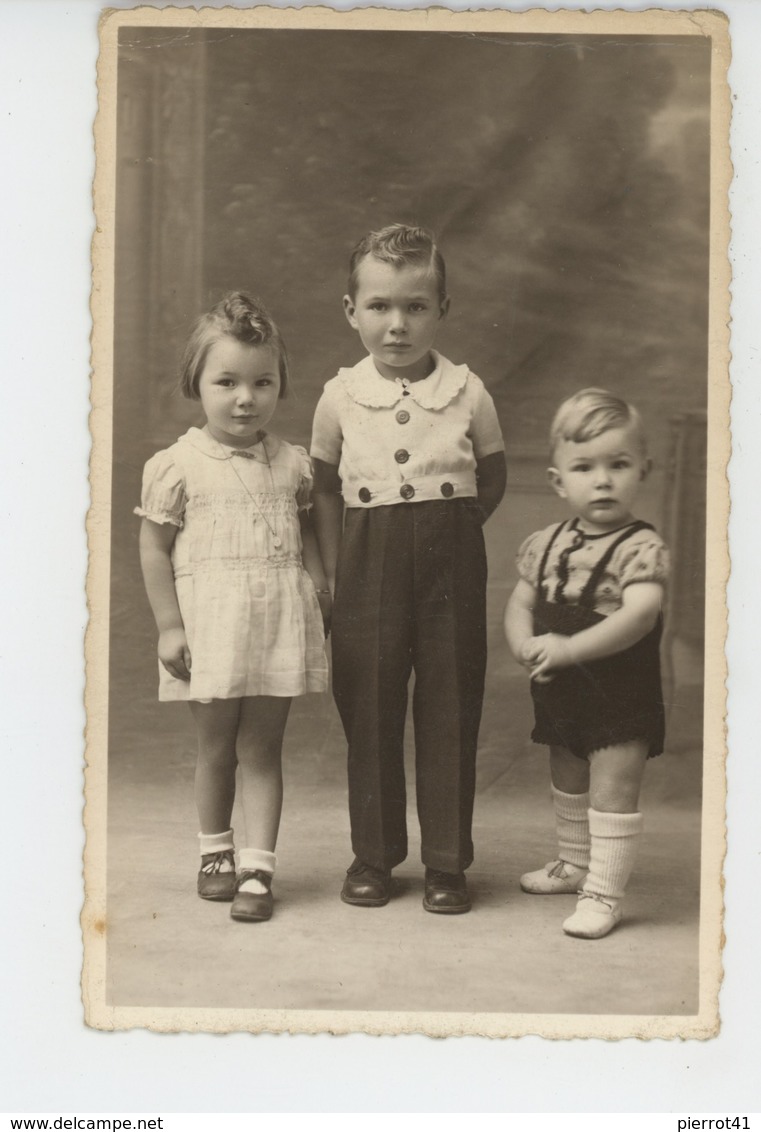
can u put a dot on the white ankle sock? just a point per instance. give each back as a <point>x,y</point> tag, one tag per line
<point>260,859</point>
<point>615,841</point>
<point>217,843</point>
<point>572,824</point>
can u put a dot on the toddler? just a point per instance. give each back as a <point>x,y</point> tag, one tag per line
<point>585,619</point>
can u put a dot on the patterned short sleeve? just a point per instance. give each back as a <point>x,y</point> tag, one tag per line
<point>163,497</point>
<point>643,560</point>
<point>529,557</point>
<point>306,478</point>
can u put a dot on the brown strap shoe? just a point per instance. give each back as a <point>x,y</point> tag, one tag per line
<point>252,907</point>
<point>216,882</point>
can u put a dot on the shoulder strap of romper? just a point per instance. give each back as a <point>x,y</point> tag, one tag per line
<point>550,543</point>
<point>587,594</point>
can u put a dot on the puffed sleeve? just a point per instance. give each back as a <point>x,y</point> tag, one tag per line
<point>643,560</point>
<point>306,478</point>
<point>529,557</point>
<point>485,429</point>
<point>163,496</point>
<point>327,434</point>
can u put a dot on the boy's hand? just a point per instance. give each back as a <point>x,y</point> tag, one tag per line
<point>174,653</point>
<point>549,653</point>
<point>326,609</point>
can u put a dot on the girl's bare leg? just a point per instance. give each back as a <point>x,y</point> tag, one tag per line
<point>259,749</point>
<point>217,724</point>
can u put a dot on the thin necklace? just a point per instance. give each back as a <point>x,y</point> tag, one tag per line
<point>277,542</point>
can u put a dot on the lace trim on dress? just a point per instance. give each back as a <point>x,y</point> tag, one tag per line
<point>238,565</point>
<point>304,489</point>
<point>365,385</point>
<point>159,517</point>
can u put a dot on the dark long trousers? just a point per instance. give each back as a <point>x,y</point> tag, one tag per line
<point>411,596</point>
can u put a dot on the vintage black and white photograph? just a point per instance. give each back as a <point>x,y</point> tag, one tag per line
<point>410,421</point>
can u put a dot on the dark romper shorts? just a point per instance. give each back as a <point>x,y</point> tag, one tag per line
<point>602,703</point>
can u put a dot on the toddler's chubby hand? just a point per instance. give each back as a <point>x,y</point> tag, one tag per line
<point>551,651</point>
<point>530,656</point>
<point>174,653</point>
<point>530,651</point>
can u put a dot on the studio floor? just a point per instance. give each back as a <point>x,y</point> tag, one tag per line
<point>167,948</point>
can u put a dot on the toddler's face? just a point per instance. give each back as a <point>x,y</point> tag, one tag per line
<point>239,389</point>
<point>396,311</point>
<point>600,478</point>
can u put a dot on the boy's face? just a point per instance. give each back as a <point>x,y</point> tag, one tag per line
<point>600,478</point>
<point>396,311</point>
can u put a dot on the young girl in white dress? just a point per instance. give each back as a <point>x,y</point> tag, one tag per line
<point>236,585</point>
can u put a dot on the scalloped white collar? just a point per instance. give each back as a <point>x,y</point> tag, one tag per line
<point>367,387</point>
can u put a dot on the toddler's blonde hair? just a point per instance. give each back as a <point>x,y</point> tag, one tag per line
<point>591,412</point>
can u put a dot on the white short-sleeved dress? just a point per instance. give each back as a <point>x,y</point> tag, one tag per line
<point>249,608</point>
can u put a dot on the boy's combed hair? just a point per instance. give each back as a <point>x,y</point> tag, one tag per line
<point>590,413</point>
<point>237,316</point>
<point>401,245</point>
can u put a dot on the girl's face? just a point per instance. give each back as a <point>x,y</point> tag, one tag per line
<point>239,388</point>
<point>600,478</point>
<point>397,312</point>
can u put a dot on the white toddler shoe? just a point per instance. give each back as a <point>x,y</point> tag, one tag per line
<point>557,877</point>
<point>594,917</point>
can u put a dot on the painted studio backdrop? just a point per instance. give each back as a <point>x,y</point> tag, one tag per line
<point>567,180</point>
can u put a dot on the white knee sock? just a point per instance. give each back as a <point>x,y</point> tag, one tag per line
<point>217,843</point>
<point>260,859</point>
<point>572,824</point>
<point>615,840</point>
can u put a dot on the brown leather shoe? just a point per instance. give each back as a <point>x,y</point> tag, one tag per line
<point>366,886</point>
<point>252,907</point>
<point>446,892</point>
<point>214,884</point>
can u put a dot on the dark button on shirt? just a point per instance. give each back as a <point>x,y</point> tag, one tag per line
<point>402,416</point>
<point>447,490</point>
<point>406,491</point>
<point>365,494</point>
<point>401,455</point>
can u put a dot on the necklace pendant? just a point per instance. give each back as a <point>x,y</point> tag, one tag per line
<point>277,542</point>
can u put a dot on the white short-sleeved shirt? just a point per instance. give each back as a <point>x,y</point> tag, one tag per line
<point>641,558</point>
<point>396,442</point>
